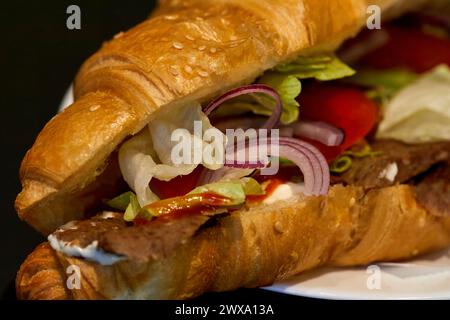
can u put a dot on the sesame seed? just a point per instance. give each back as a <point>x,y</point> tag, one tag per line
<point>173,70</point>
<point>94,107</point>
<point>203,74</point>
<point>201,48</point>
<point>171,17</point>
<point>118,35</point>
<point>177,45</point>
<point>278,227</point>
<point>352,202</point>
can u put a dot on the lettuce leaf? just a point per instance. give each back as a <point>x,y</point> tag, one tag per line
<point>323,68</point>
<point>288,87</point>
<point>133,208</point>
<point>232,190</point>
<point>285,79</point>
<point>251,187</point>
<point>383,84</point>
<point>420,112</point>
<point>127,202</point>
<point>236,190</point>
<point>120,202</point>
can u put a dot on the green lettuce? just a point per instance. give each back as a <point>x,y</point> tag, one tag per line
<point>232,190</point>
<point>323,68</point>
<point>236,190</point>
<point>133,209</point>
<point>285,79</point>
<point>383,84</point>
<point>120,202</point>
<point>251,187</point>
<point>127,202</point>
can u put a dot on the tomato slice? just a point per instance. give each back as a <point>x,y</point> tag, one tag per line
<point>409,48</point>
<point>344,107</point>
<point>178,186</point>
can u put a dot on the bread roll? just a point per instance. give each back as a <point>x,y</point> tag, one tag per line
<point>254,248</point>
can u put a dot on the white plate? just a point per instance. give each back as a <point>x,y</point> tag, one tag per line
<point>67,99</point>
<point>424,278</point>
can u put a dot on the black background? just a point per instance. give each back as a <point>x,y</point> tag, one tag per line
<point>39,58</point>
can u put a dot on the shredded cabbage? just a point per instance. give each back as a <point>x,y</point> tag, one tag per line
<point>148,154</point>
<point>421,111</point>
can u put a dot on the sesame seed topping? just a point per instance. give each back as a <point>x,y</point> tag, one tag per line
<point>278,227</point>
<point>171,17</point>
<point>173,70</point>
<point>94,107</point>
<point>118,35</point>
<point>177,45</point>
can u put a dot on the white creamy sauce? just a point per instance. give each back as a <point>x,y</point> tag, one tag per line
<point>91,252</point>
<point>285,191</point>
<point>390,172</point>
<point>108,215</point>
<point>69,226</point>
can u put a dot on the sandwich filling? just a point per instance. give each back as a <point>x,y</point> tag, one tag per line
<point>386,123</point>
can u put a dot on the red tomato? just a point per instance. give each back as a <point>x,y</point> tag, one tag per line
<point>409,48</point>
<point>345,108</point>
<point>178,186</point>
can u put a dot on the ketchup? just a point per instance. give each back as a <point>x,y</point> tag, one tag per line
<point>177,207</point>
<point>272,184</point>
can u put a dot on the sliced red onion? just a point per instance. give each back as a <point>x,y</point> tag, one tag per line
<point>319,131</point>
<point>242,122</point>
<point>252,88</point>
<point>310,161</point>
<point>319,159</point>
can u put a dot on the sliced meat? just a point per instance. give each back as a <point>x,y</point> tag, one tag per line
<point>397,163</point>
<point>154,240</point>
<point>83,233</point>
<point>433,191</point>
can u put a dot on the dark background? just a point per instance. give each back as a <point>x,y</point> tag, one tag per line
<point>39,58</point>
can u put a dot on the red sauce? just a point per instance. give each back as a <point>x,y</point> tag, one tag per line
<point>272,184</point>
<point>177,207</point>
<point>285,173</point>
<point>193,204</point>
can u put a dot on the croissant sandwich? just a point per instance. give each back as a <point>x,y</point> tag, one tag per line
<point>226,144</point>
